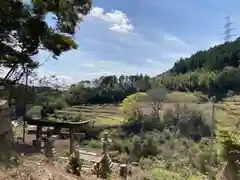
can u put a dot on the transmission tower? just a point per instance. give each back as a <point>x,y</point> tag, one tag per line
<point>228,29</point>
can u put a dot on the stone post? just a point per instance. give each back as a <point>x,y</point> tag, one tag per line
<point>106,162</point>
<point>105,143</point>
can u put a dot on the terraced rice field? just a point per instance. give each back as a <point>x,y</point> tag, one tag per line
<point>100,114</point>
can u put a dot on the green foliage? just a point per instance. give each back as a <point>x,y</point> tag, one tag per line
<point>150,147</point>
<point>35,111</point>
<point>131,108</point>
<point>130,103</point>
<point>230,139</point>
<point>146,163</point>
<point>215,58</point>
<point>108,89</point>
<point>79,117</point>
<point>162,174</point>
<point>23,26</point>
<point>59,104</point>
<point>94,144</point>
<point>152,122</point>
<point>46,110</point>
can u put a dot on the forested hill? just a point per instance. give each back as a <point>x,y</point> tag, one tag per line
<point>215,58</point>
<point>214,71</point>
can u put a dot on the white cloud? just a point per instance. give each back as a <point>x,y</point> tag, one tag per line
<point>88,65</point>
<point>169,38</point>
<point>151,61</point>
<point>117,19</point>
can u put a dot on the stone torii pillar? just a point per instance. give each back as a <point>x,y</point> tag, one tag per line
<point>38,137</point>
<point>72,141</point>
<point>72,136</point>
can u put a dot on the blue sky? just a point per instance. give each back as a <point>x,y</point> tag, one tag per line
<point>141,36</point>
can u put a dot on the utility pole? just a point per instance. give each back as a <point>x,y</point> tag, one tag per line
<point>228,30</point>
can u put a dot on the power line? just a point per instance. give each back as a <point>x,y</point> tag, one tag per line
<point>228,29</point>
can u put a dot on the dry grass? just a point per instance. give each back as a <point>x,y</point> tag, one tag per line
<point>35,168</point>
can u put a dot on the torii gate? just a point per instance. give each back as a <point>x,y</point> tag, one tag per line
<point>40,123</point>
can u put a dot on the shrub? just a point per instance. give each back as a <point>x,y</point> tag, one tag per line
<point>130,106</point>
<point>151,122</point>
<point>95,144</point>
<point>148,122</point>
<point>136,149</point>
<point>79,117</point>
<point>189,121</point>
<point>146,163</point>
<point>150,147</point>
<point>47,109</point>
<point>35,111</point>
<point>117,145</point>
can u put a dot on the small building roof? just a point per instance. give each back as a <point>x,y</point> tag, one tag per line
<point>49,123</point>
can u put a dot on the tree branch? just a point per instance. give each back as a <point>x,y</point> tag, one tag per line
<point>10,72</point>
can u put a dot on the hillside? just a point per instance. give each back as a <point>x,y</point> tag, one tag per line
<point>213,59</point>
<point>214,71</point>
